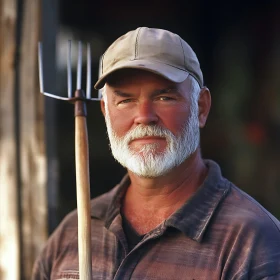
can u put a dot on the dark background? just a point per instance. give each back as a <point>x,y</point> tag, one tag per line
<point>238,45</point>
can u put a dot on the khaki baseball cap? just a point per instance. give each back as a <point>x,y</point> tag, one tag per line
<point>155,50</point>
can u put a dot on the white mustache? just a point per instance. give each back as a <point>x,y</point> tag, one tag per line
<point>143,131</point>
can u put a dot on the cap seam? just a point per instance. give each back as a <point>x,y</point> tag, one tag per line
<point>136,44</point>
<point>183,51</point>
<point>102,63</point>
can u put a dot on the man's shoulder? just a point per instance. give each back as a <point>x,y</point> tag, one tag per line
<point>248,233</point>
<point>234,209</point>
<point>240,209</point>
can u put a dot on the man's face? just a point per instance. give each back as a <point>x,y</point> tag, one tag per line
<point>152,123</point>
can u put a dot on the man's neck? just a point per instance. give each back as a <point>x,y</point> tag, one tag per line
<point>150,201</point>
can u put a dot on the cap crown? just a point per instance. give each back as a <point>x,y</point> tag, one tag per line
<point>144,46</point>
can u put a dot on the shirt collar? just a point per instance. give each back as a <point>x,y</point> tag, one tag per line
<point>192,218</point>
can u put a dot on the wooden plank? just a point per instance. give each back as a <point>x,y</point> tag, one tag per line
<point>32,145</point>
<point>9,221</point>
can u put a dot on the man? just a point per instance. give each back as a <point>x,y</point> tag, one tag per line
<point>173,216</point>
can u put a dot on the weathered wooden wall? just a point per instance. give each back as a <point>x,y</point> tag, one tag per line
<point>23,168</point>
<point>9,218</point>
<point>32,145</point>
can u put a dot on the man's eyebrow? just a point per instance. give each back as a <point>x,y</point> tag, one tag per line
<point>171,89</point>
<point>121,93</point>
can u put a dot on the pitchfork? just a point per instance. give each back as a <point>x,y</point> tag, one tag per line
<point>81,152</point>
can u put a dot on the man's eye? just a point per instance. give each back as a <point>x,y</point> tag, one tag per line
<point>165,98</point>
<point>124,101</point>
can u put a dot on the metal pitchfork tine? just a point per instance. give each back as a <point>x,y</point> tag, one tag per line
<point>81,153</point>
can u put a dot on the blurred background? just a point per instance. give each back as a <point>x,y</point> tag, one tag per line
<point>238,45</point>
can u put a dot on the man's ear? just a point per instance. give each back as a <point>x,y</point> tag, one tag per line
<point>102,105</point>
<point>204,105</point>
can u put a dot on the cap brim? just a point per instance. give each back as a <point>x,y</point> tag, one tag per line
<point>169,72</point>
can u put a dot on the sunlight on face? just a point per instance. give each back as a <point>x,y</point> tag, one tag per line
<point>147,162</point>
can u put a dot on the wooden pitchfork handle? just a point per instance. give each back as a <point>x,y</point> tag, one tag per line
<point>83,187</point>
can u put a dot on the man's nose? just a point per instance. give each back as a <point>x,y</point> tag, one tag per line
<point>146,114</point>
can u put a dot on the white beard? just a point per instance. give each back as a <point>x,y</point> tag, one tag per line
<point>148,162</point>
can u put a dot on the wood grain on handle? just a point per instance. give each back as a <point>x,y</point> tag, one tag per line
<point>83,197</point>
